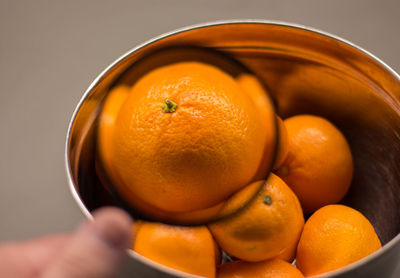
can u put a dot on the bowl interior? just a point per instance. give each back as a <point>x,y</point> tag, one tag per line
<point>305,72</point>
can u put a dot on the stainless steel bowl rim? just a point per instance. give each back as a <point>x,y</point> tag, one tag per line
<point>85,211</point>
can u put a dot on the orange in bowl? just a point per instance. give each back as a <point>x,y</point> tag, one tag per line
<point>268,227</point>
<point>185,138</point>
<point>333,237</point>
<point>274,268</point>
<point>319,165</point>
<point>189,249</point>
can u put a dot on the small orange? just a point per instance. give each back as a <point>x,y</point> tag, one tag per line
<point>266,227</point>
<point>274,268</point>
<point>255,89</point>
<point>283,144</point>
<point>189,249</point>
<point>319,165</point>
<point>135,228</point>
<point>186,138</point>
<point>289,253</point>
<point>108,115</point>
<point>334,236</point>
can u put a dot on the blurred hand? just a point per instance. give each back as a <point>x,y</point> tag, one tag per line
<point>95,250</point>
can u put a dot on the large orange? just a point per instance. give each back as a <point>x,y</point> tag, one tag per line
<point>266,228</point>
<point>274,268</point>
<point>112,104</point>
<point>109,112</point>
<point>186,138</point>
<point>333,237</point>
<point>319,165</point>
<point>189,249</point>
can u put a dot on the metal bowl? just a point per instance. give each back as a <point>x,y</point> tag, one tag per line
<point>306,71</point>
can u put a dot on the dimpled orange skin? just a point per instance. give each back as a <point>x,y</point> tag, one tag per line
<point>334,236</point>
<point>109,112</point>
<point>189,249</point>
<point>199,154</point>
<point>112,104</point>
<point>319,165</point>
<point>262,230</point>
<point>274,268</point>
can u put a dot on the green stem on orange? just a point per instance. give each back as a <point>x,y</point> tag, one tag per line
<point>267,200</point>
<point>169,106</point>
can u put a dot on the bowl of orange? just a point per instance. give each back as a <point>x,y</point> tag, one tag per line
<point>327,189</point>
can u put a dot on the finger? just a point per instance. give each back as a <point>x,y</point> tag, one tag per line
<point>40,252</point>
<point>97,249</point>
<point>27,259</point>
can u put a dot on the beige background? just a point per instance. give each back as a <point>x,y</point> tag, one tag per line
<point>50,51</point>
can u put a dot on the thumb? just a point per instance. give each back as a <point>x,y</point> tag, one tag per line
<point>97,249</point>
